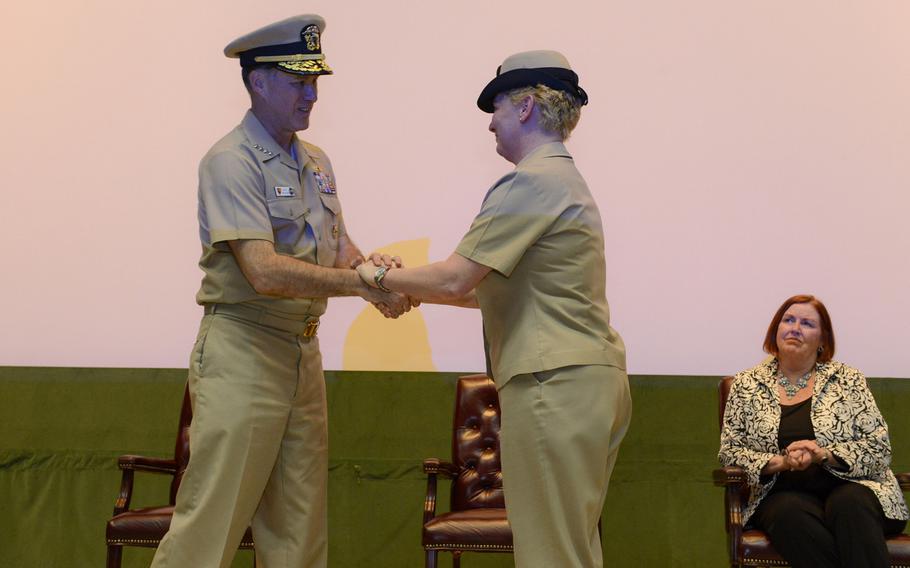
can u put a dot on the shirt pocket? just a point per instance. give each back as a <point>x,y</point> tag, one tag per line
<point>288,208</point>
<point>333,218</point>
<point>288,217</point>
<point>330,202</point>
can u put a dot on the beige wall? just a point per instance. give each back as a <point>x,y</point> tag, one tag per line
<point>741,152</point>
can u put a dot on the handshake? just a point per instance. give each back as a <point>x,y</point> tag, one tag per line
<point>390,304</point>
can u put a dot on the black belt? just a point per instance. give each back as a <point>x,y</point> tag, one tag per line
<point>305,327</point>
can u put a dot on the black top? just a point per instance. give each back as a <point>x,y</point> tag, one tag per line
<point>796,424</point>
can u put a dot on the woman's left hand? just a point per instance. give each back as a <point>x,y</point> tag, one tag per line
<point>805,453</point>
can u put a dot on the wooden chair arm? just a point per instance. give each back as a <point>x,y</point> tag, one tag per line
<point>733,480</point>
<point>903,479</point>
<point>143,463</point>
<point>130,464</point>
<point>729,476</point>
<point>433,467</point>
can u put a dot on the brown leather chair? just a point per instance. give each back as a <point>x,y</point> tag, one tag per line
<point>752,547</point>
<point>476,520</point>
<point>147,526</point>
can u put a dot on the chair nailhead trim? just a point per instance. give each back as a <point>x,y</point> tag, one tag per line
<point>139,541</point>
<point>467,547</point>
<point>147,468</point>
<point>155,541</point>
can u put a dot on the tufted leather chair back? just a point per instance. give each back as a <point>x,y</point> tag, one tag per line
<point>182,446</point>
<point>475,445</point>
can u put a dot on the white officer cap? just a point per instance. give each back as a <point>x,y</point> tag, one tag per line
<point>294,45</point>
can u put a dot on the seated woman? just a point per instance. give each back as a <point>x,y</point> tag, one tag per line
<point>814,446</point>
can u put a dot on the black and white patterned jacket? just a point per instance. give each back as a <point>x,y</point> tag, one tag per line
<point>844,416</point>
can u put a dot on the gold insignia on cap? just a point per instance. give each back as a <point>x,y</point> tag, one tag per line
<point>293,44</point>
<point>312,66</point>
<point>310,35</point>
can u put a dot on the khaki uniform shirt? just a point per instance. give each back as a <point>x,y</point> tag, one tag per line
<point>544,302</point>
<point>250,188</point>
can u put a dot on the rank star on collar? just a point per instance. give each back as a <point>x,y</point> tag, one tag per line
<point>285,191</point>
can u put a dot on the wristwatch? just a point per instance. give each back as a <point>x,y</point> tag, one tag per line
<point>378,276</point>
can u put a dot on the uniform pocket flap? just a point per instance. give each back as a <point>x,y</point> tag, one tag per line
<point>330,201</point>
<point>287,208</point>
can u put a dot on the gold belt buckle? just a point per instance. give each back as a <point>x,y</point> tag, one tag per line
<point>311,327</point>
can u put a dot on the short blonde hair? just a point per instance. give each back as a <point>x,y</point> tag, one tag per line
<point>559,110</point>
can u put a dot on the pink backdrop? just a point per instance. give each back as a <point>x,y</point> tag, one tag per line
<point>741,152</point>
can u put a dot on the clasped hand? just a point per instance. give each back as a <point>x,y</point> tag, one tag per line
<point>389,304</point>
<point>801,454</point>
<point>798,456</point>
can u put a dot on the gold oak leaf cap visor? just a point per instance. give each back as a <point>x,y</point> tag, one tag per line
<point>293,45</point>
<point>530,68</point>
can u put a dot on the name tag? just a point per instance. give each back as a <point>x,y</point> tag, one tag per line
<point>284,191</point>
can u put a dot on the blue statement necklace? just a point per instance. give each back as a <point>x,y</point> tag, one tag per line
<point>789,387</point>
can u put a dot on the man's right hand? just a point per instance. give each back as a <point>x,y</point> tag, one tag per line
<point>389,304</point>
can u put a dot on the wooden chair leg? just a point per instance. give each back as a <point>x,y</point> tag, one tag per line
<point>114,556</point>
<point>431,559</point>
<point>456,559</point>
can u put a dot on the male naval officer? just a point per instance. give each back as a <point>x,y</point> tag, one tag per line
<point>274,247</point>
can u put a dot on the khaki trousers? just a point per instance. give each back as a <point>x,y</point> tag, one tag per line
<point>560,435</point>
<point>258,450</point>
